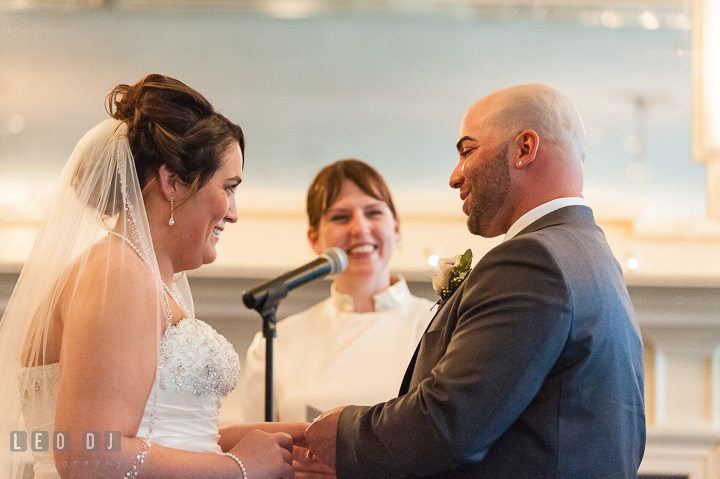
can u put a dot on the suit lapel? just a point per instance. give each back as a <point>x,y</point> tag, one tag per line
<point>559,216</point>
<point>405,385</point>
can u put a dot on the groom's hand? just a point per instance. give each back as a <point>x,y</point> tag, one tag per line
<point>321,436</point>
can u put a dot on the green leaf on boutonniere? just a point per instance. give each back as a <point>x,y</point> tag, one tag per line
<point>453,272</point>
<point>465,262</point>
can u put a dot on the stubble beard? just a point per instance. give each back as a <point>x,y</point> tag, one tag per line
<point>490,188</point>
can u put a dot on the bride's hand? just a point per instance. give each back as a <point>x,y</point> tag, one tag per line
<point>307,466</point>
<point>265,455</point>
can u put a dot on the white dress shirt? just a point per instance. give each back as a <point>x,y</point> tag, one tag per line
<point>536,213</point>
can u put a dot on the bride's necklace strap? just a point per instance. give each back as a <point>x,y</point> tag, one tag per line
<point>178,300</point>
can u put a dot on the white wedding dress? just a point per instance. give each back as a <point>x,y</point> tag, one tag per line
<point>199,368</point>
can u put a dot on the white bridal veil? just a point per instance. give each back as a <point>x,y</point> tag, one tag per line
<point>72,259</point>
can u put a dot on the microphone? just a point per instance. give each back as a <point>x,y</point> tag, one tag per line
<point>332,261</point>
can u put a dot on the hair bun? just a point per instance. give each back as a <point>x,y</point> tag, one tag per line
<point>171,124</point>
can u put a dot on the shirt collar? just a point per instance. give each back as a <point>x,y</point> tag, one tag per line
<point>384,301</point>
<point>536,213</point>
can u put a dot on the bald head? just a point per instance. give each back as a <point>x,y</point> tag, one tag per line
<point>519,147</point>
<point>538,107</point>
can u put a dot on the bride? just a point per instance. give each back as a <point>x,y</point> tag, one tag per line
<point>104,369</point>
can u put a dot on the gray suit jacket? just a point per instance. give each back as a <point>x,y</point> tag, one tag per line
<point>533,368</point>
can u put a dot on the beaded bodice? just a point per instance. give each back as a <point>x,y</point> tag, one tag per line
<point>39,397</point>
<point>195,358</point>
<point>36,380</point>
<point>198,368</point>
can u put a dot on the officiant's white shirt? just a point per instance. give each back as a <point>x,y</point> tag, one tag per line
<point>331,356</point>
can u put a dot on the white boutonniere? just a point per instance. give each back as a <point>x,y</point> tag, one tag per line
<point>453,272</point>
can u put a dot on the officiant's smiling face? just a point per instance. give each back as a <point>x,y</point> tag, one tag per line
<point>362,226</point>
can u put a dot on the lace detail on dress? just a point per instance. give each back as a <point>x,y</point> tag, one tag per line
<point>37,378</point>
<point>196,358</point>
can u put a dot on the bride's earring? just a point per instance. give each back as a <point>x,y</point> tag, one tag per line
<point>172,220</point>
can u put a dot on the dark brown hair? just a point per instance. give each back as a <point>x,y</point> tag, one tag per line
<point>326,186</point>
<point>171,124</point>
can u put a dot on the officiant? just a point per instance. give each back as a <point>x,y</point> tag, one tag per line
<point>354,346</point>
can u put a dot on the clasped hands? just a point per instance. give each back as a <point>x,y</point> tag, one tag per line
<point>318,459</point>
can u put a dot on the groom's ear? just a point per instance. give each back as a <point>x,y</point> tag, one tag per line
<point>314,238</point>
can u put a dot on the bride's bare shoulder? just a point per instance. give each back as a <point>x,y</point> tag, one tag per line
<point>110,279</point>
<point>111,272</point>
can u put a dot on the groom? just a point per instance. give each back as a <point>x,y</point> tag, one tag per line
<point>534,367</point>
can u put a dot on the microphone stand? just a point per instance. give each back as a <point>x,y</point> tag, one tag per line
<point>277,291</point>
<point>266,297</point>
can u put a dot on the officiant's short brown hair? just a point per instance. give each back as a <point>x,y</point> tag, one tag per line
<point>326,186</point>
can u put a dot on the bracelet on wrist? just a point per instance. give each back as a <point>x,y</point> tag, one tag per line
<point>238,461</point>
